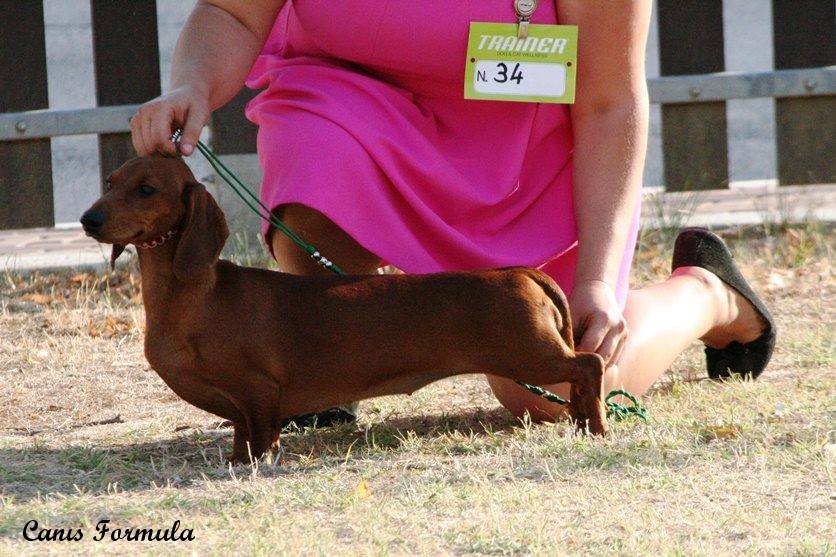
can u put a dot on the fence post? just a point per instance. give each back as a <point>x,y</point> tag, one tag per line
<point>694,137</point>
<point>234,140</point>
<point>25,166</point>
<point>803,32</point>
<point>232,133</point>
<point>127,65</point>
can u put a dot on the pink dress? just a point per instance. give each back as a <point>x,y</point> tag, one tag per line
<point>362,118</point>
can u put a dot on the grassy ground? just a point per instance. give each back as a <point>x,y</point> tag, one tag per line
<point>89,432</point>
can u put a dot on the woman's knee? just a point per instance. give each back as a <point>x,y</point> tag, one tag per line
<point>320,231</point>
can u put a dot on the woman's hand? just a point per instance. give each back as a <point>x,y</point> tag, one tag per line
<point>214,53</point>
<point>152,125</point>
<point>597,320</point>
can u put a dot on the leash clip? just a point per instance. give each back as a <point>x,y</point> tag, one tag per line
<point>324,261</point>
<point>175,138</point>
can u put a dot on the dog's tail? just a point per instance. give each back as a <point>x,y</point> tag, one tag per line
<point>553,291</point>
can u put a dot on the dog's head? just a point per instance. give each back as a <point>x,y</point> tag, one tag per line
<point>150,199</point>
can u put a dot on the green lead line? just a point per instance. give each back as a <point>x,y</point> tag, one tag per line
<point>237,186</point>
<point>620,411</point>
<point>615,410</point>
<point>228,176</point>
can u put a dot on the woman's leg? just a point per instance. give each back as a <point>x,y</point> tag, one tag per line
<point>663,319</point>
<point>317,229</point>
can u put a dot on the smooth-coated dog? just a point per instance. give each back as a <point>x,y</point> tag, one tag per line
<point>255,346</point>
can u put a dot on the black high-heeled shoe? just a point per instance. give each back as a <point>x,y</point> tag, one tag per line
<point>698,247</point>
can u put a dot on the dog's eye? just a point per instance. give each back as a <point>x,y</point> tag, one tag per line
<point>145,190</point>
<point>108,186</point>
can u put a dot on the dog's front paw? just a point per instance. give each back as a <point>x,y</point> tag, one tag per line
<point>244,453</point>
<point>234,458</point>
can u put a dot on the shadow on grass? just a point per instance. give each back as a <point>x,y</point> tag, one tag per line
<point>37,470</point>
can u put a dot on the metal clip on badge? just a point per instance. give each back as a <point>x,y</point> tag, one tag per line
<point>524,9</point>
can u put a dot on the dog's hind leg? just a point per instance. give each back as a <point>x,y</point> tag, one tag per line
<point>583,371</point>
<point>585,405</point>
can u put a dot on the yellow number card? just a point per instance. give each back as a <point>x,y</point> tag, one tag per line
<point>538,68</point>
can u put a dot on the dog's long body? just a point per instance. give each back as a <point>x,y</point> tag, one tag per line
<point>254,346</point>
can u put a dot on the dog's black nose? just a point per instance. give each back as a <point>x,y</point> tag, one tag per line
<point>91,220</point>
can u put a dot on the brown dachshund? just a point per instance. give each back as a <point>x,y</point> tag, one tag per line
<point>254,346</point>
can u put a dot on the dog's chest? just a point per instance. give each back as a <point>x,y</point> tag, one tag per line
<point>171,357</point>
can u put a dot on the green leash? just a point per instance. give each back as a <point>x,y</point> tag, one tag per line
<point>620,411</point>
<point>230,178</point>
<point>615,410</point>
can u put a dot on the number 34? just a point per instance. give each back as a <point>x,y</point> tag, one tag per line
<point>516,74</point>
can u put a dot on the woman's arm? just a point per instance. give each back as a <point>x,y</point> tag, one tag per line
<point>214,53</point>
<point>609,119</point>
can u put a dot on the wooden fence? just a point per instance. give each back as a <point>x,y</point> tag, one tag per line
<point>692,92</point>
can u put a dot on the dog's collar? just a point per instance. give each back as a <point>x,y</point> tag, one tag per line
<point>157,242</point>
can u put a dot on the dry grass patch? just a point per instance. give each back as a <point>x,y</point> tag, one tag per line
<point>90,432</point>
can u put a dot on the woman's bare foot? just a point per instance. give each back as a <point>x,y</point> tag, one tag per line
<point>737,319</point>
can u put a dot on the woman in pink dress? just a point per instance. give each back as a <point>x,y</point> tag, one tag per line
<point>371,153</point>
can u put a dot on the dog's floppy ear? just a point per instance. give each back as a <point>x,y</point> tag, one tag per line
<point>202,235</point>
<point>114,255</point>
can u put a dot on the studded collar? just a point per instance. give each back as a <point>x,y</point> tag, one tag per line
<point>158,241</point>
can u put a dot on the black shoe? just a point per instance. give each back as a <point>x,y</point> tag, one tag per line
<point>698,247</point>
<point>338,415</point>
